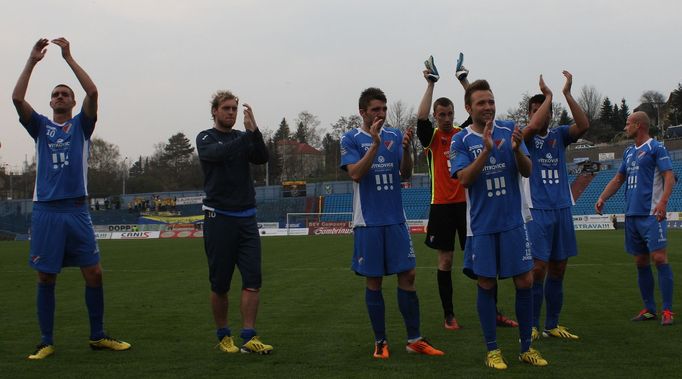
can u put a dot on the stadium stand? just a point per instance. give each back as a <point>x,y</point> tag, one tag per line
<point>337,197</point>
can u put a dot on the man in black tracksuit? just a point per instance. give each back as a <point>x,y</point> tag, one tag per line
<point>230,230</point>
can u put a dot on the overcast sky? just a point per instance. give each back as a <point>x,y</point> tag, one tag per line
<point>157,63</point>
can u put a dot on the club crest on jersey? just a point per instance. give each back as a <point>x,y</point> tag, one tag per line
<point>66,127</point>
<point>552,143</point>
<point>499,143</point>
<point>388,144</point>
<point>443,141</point>
<point>641,154</point>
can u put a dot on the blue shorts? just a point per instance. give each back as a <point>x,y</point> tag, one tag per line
<point>62,235</point>
<point>552,235</point>
<point>382,250</point>
<point>645,234</point>
<point>504,254</point>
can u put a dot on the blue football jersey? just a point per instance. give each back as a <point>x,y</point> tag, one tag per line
<point>61,156</point>
<point>495,201</point>
<point>643,167</point>
<point>376,198</point>
<point>548,186</point>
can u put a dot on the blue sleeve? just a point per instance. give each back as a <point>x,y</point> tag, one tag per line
<point>663,161</point>
<point>34,124</point>
<point>349,151</point>
<point>86,123</point>
<point>459,156</point>
<point>623,169</point>
<point>400,145</point>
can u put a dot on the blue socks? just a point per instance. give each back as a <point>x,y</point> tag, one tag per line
<point>645,280</point>
<point>247,333</point>
<point>665,282</point>
<point>45,305</point>
<point>554,295</point>
<point>485,304</point>
<point>408,303</point>
<point>222,333</point>
<point>94,299</point>
<point>376,310</point>
<point>524,313</point>
<point>538,295</point>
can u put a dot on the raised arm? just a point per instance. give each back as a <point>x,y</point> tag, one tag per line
<point>210,149</point>
<point>523,162</point>
<point>542,115</point>
<point>581,125</point>
<point>470,173</point>
<point>425,104</point>
<point>357,170</point>
<point>609,190</point>
<point>24,109</point>
<point>90,101</point>
<point>259,154</point>
<point>424,128</point>
<point>406,164</point>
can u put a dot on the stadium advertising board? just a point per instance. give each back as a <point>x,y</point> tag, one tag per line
<point>189,200</point>
<point>176,219</point>
<point>186,233</point>
<point>134,235</point>
<point>606,157</point>
<point>268,225</point>
<point>102,235</point>
<point>417,226</point>
<point>594,222</point>
<point>115,228</point>
<point>181,227</point>
<point>279,232</point>
<point>317,228</point>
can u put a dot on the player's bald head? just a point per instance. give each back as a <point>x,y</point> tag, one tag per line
<point>641,118</point>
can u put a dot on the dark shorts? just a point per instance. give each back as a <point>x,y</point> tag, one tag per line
<point>62,235</point>
<point>230,241</point>
<point>444,221</point>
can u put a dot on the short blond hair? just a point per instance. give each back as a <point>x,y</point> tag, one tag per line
<point>221,96</point>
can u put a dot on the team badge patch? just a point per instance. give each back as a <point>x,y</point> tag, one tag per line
<point>66,127</point>
<point>499,143</point>
<point>552,143</point>
<point>388,144</point>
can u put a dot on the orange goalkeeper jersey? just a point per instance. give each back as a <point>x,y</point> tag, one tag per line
<point>444,189</point>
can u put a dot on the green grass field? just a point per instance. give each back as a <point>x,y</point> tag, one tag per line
<point>313,312</point>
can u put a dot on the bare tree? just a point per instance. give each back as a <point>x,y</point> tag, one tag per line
<point>651,103</point>
<point>590,100</point>
<point>308,124</point>
<point>520,113</point>
<point>401,117</point>
<point>344,124</point>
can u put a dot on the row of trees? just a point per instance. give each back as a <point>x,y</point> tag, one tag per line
<point>607,118</point>
<point>174,164</point>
